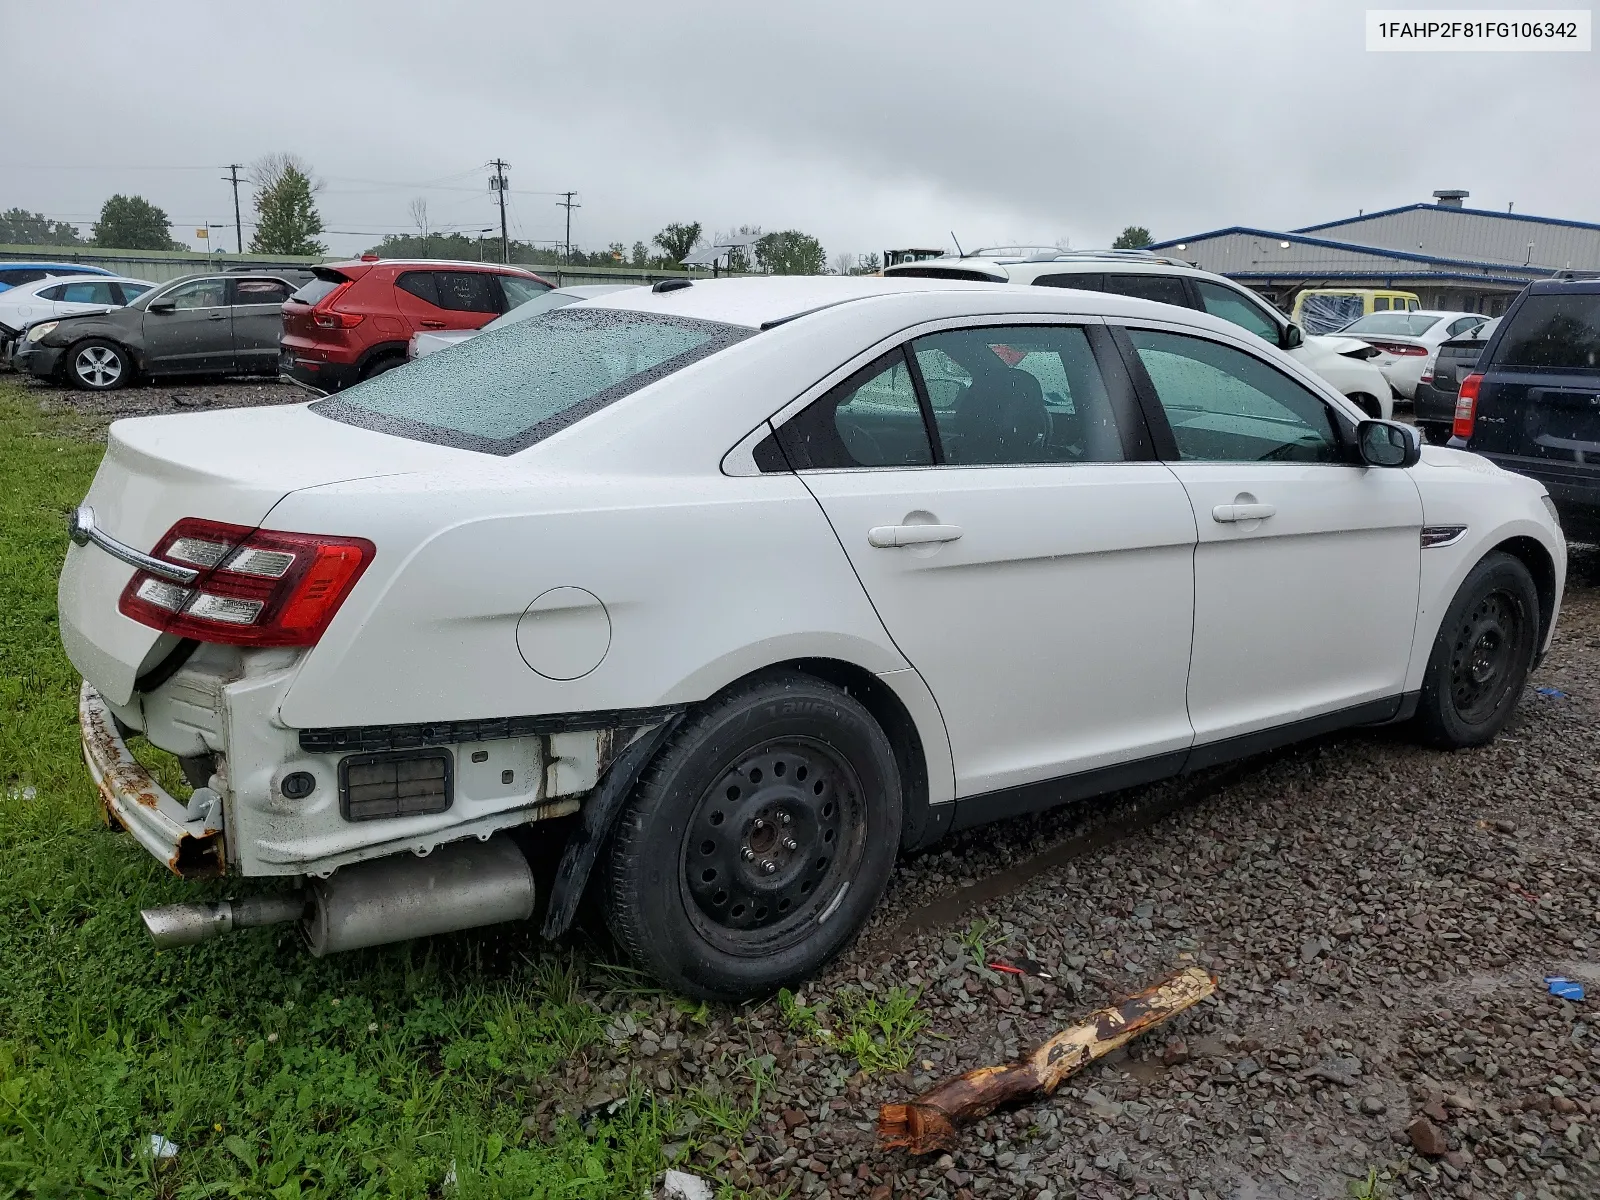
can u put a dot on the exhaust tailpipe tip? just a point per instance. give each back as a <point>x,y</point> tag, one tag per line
<point>176,925</point>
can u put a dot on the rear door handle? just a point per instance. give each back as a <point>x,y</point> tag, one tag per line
<point>887,537</point>
<point>217,317</point>
<point>1242,512</point>
<point>432,324</point>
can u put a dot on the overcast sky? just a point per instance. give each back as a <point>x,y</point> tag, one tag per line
<point>869,124</point>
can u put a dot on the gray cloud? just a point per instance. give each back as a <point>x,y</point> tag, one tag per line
<point>868,124</point>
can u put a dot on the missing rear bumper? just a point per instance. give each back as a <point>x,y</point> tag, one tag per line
<point>132,798</point>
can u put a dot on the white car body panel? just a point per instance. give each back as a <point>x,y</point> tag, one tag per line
<point>1327,357</point>
<point>1404,371</point>
<point>21,306</point>
<point>1052,638</point>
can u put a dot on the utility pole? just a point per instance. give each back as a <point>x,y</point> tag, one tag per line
<point>238,225</point>
<point>566,203</point>
<point>497,184</point>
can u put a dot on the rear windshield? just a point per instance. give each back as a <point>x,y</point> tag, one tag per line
<point>504,390</point>
<point>315,290</point>
<point>1554,331</point>
<point>1409,324</point>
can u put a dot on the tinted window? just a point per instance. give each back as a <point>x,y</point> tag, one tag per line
<point>420,284</point>
<point>947,273</point>
<point>1407,324</point>
<point>1165,289</point>
<point>132,290</point>
<point>57,292</point>
<point>12,276</point>
<point>1085,281</point>
<point>500,392</point>
<point>468,291</point>
<point>315,290</point>
<point>872,419</point>
<point>88,292</point>
<point>1381,304</point>
<point>198,293</point>
<point>1227,406</point>
<point>1230,305</point>
<point>1554,331</point>
<point>260,291</point>
<point>519,290</point>
<point>1017,395</point>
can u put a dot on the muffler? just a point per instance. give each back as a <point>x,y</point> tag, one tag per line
<point>459,886</point>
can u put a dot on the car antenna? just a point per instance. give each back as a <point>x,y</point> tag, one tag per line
<point>960,253</point>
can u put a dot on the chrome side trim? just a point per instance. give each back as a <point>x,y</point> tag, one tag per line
<point>1436,536</point>
<point>81,528</point>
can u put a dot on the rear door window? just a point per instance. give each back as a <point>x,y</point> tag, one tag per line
<point>260,291</point>
<point>1555,331</point>
<point>1085,281</point>
<point>421,284</point>
<point>504,392</point>
<point>88,292</point>
<point>872,419</point>
<point>1164,289</point>
<point>1017,395</point>
<point>468,291</point>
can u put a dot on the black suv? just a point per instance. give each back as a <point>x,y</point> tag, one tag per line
<point>1533,404</point>
<point>1434,404</point>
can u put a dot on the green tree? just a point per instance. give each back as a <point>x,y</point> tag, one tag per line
<point>286,213</point>
<point>21,228</point>
<point>1134,237</point>
<point>791,253</point>
<point>677,240</point>
<point>133,223</point>
<point>641,255</point>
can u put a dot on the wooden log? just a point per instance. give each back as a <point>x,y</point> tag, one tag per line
<point>929,1122</point>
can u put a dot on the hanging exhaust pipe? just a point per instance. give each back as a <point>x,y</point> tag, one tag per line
<point>458,886</point>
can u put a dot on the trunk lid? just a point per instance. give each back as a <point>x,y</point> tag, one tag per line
<point>231,466</point>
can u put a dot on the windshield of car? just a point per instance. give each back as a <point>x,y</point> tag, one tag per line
<point>1322,312</point>
<point>1406,323</point>
<point>1554,331</point>
<point>504,390</point>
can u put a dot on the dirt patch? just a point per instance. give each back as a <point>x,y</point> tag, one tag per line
<point>98,409</point>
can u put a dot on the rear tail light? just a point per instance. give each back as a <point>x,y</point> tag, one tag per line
<point>1402,349</point>
<point>256,587</point>
<point>324,313</point>
<point>1427,374</point>
<point>1467,406</point>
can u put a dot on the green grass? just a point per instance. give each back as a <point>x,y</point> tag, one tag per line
<point>277,1075</point>
<point>879,1033</point>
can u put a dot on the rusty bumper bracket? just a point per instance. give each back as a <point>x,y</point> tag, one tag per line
<point>132,798</point>
<point>929,1122</point>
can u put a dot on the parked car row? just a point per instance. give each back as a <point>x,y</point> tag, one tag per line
<point>25,304</point>
<point>326,327</point>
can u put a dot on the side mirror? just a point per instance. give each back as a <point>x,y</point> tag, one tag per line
<point>1388,444</point>
<point>161,306</point>
<point>1291,337</point>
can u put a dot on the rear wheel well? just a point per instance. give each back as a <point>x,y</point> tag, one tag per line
<point>891,715</point>
<point>1367,403</point>
<point>376,354</point>
<point>1543,569</point>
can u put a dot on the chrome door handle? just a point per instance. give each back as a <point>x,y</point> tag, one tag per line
<point>217,317</point>
<point>887,537</point>
<point>1242,512</point>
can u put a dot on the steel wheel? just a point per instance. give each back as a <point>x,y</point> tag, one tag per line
<point>770,843</point>
<point>1480,664</point>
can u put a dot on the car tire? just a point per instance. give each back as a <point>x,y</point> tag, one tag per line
<point>757,841</point>
<point>97,365</point>
<point>1481,656</point>
<point>1435,435</point>
<point>379,365</point>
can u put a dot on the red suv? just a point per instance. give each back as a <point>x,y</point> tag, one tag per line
<point>355,319</point>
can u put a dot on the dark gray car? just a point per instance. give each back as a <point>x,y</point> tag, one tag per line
<point>222,324</point>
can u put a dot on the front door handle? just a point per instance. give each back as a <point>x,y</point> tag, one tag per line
<point>887,537</point>
<point>1242,512</point>
<point>217,317</point>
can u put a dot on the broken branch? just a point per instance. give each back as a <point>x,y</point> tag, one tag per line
<point>929,1122</point>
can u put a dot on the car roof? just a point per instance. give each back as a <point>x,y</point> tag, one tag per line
<point>501,268</point>
<point>772,300</point>
<point>75,268</point>
<point>1555,287</point>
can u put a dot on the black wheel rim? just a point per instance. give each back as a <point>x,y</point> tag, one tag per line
<point>771,846</point>
<point>1483,659</point>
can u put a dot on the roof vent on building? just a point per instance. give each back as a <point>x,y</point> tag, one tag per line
<point>1451,197</point>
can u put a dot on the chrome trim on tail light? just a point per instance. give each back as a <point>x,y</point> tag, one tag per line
<point>81,528</point>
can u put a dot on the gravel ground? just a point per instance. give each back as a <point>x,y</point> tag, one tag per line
<point>164,396</point>
<point>1381,918</point>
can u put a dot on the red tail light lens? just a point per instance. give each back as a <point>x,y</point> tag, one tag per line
<point>1402,349</point>
<point>256,587</point>
<point>1467,406</point>
<point>324,316</point>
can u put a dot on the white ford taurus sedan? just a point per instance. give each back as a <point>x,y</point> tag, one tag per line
<point>755,583</point>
